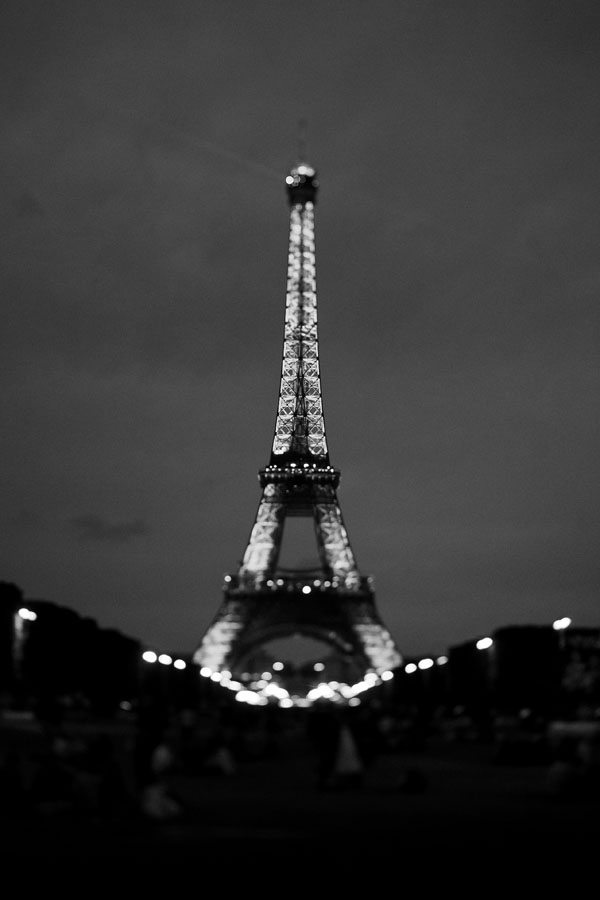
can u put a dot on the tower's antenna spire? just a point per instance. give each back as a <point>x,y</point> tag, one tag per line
<point>302,139</point>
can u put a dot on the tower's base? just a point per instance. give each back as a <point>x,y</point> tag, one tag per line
<point>361,648</point>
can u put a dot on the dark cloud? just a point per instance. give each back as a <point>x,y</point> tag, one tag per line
<point>97,528</point>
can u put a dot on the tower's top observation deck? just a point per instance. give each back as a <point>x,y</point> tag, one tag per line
<point>302,184</point>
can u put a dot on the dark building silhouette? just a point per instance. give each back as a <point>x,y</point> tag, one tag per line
<point>525,669</point>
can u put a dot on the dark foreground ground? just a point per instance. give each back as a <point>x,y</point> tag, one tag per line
<point>467,813</point>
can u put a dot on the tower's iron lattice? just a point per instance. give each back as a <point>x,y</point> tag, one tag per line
<point>262,601</point>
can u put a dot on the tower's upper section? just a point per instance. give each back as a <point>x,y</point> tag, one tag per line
<point>300,427</point>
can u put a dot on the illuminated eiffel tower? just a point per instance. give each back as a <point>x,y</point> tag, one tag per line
<point>263,602</point>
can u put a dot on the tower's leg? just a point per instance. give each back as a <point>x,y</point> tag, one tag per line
<point>334,544</point>
<point>263,547</point>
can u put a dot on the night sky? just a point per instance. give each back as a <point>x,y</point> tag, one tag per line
<point>144,147</point>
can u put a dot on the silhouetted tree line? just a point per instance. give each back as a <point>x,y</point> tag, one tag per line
<point>62,654</point>
<point>527,667</point>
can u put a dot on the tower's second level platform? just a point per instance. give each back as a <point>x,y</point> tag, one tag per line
<point>300,473</point>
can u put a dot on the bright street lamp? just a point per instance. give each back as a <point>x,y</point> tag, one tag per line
<point>27,614</point>
<point>484,643</point>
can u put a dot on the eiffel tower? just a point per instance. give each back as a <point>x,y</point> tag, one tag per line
<point>263,602</point>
